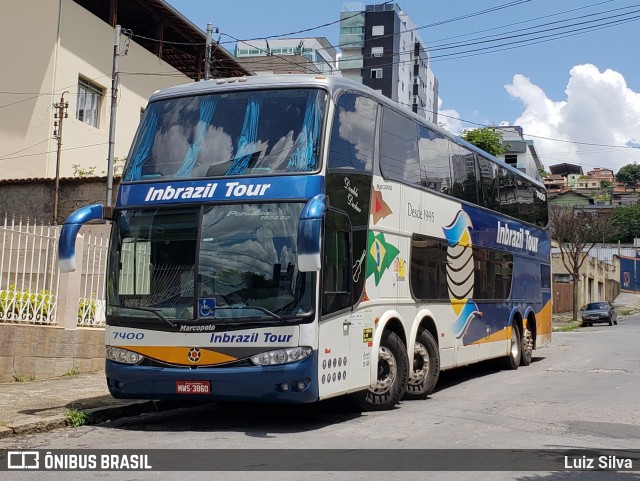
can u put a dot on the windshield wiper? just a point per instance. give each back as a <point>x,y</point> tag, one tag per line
<point>148,309</point>
<point>257,308</point>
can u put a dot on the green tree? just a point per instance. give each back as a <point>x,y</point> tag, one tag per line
<point>626,221</point>
<point>487,139</point>
<point>78,171</point>
<point>630,173</point>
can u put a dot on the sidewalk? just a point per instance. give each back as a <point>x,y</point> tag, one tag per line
<point>35,406</point>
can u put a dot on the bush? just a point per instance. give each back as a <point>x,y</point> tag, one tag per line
<point>25,305</point>
<point>87,309</point>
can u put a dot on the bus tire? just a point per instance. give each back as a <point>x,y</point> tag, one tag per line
<point>527,348</point>
<point>392,376</point>
<point>426,367</point>
<point>512,360</point>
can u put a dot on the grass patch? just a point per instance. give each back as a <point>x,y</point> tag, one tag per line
<point>21,378</point>
<point>627,312</point>
<point>76,418</point>
<point>572,326</point>
<point>74,371</point>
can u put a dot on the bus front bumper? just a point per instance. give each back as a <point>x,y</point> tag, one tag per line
<point>281,383</point>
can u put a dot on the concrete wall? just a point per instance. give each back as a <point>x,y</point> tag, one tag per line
<point>34,199</point>
<point>39,352</point>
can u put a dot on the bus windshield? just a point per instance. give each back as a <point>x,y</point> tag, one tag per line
<point>228,134</point>
<point>224,262</point>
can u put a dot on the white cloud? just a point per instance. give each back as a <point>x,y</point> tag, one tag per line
<point>599,108</point>
<point>449,119</point>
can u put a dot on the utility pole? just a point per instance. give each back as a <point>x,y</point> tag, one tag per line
<point>112,121</point>
<point>207,52</point>
<point>59,115</point>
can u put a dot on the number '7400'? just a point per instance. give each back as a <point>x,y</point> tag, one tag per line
<point>128,335</point>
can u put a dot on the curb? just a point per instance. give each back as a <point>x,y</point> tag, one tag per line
<point>94,416</point>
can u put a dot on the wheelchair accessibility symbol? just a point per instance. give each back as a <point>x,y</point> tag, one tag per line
<point>207,307</point>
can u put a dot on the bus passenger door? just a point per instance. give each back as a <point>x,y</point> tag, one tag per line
<point>336,306</point>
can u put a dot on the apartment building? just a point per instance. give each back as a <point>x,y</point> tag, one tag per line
<point>382,49</point>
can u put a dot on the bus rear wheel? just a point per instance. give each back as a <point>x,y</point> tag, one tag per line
<point>392,376</point>
<point>512,361</point>
<point>426,367</point>
<point>527,348</point>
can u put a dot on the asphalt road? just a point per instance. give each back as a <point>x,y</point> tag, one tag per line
<point>582,391</point>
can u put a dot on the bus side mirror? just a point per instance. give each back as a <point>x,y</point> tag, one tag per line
<point>70,229</point>
<point>310,234</point>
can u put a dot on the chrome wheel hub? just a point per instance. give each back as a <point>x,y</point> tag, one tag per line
<point>387,371</point>
<point>420,364</point>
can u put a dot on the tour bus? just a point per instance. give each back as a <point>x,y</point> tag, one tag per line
<point>295,238</point>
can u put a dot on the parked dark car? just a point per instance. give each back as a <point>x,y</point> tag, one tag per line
<point>600,311</point>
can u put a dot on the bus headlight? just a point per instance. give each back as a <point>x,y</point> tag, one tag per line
<point>281,356</point>
<point>122,355</point>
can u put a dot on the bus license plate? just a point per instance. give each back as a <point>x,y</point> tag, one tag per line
<point>193,387</point>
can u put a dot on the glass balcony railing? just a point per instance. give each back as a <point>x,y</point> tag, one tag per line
<point>348,40</point>
<point>349,63</point>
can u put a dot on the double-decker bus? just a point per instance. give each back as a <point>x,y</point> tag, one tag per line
<point>295,238</point>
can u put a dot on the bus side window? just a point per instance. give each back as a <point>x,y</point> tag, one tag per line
<point>353,133</point>
<point>336,274</point>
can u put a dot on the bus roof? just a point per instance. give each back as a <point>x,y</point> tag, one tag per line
<point>333,83</point>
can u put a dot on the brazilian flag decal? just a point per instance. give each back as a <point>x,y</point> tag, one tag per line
<point>380,256</point>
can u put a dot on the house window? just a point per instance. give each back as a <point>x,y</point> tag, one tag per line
<point>376,51</point>
<point>376,73</point>
<point>511,159</point>
<point>89,102</point>
<point>377,30</point>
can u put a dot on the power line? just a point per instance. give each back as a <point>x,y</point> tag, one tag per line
<point>568,31</point>
<point>518,43</point>
<point>54,151</point>
<point>533,41</point>
<point>523,21</point>
<point>53,92</point>
<point>193,44</point>
<point>22,150</point>
<point>463,54</point>
<point>311,28</point>
<point>592,144</point>
<point>442,22</point>
<point>277,56</point>
<point>518,33</point>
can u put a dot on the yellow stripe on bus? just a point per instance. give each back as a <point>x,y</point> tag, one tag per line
<point>180,355</point>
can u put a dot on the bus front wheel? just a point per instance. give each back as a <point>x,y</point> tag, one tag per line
<point>426,367</point>
<point>392,376</point>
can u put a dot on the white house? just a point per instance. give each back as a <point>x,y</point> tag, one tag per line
<point>63,50</point>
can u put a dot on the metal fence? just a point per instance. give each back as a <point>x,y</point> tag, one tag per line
<point>91,304</point>
<point>30,278</point>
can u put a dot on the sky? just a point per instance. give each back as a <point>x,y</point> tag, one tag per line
<point>566,71</point>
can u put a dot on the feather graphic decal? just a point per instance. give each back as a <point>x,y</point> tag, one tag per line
<point>460,272</point>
